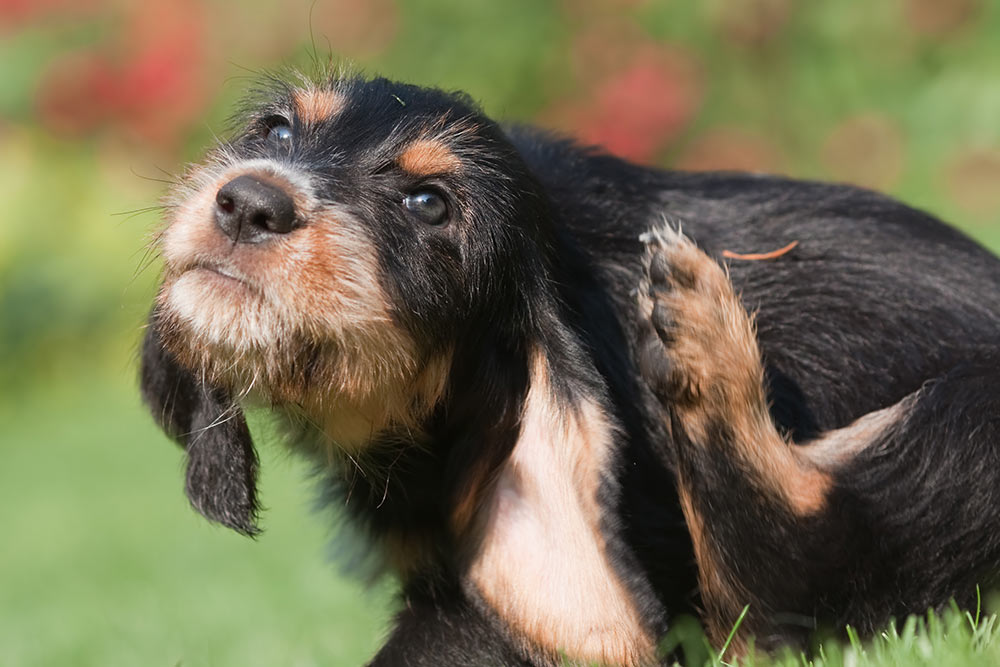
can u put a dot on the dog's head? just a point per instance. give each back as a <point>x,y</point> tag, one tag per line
<point>326,260</point>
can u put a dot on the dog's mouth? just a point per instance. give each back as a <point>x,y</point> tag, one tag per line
<point>225,277</point>
<point>223,272</point>
<point>219,304</point>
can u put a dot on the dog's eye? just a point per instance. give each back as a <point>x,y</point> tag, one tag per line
<point>427,206</point>
<point>277,130</point>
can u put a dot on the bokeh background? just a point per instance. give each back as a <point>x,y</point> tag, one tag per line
<point>101,101</point>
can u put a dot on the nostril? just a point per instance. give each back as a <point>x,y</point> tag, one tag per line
<point>262,219</point>
<point>225,202</point>
<point>250,210</point>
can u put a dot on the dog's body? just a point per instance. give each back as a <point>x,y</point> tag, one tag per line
<point>556,426</point>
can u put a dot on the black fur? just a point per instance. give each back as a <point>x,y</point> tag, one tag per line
<point>877,302</point>
<point>222,463</point>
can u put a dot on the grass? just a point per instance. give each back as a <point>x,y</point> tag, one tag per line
<point>952,638</point>
<point>103,563</point>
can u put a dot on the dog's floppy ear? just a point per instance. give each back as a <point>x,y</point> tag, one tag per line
<point>222,463</point>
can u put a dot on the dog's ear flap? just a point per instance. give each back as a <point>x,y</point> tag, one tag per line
<point>222,463</point>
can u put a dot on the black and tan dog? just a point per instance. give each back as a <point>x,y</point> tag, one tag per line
<point>548,410</point>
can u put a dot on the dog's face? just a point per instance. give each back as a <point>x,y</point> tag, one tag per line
<point>327,258</point>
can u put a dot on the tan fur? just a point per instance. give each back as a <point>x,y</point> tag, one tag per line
<point>541,561</point>
<point>835,448</point>
<point>428,157</point>
<point>300,321</point>
<point>351,418</point>
<point>316,105</point>
<point>717,368</point>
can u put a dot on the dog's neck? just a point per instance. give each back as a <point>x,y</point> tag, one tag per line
<point>352,423</point>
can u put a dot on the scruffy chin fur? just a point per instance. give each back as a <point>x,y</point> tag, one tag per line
<point>558,419</point>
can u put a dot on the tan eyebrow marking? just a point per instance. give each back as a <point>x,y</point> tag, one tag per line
<point>425,157</point>
<point>315,105</point>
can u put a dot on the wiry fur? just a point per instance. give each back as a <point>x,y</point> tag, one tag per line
<point>556,428</point>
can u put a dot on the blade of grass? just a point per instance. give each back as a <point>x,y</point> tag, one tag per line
<point>732,633</point>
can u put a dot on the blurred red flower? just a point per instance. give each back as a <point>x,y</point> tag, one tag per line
<point>636,111</point>
<point>147,81</point>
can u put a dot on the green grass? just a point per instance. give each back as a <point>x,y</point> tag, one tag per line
<point>953,638</point>
<point>103,563</point>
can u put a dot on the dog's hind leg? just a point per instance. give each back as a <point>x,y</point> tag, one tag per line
<point>846,528</point>
<point>742,487</point>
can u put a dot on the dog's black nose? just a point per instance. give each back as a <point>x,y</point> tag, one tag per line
<point>248,210</point>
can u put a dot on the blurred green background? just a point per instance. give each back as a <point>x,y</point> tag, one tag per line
<point>101,560</point>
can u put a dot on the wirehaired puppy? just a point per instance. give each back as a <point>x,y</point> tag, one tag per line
<point>547,410</point>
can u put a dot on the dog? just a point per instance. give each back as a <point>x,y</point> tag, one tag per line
<point>566,397</point>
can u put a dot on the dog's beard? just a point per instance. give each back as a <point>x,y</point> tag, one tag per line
<point>252,350</point>
<point>350,387</point>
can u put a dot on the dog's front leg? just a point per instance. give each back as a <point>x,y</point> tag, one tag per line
<point>439,626</point>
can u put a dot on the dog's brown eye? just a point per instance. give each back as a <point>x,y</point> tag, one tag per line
<point>277,130</point>
<point>427,206</point>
